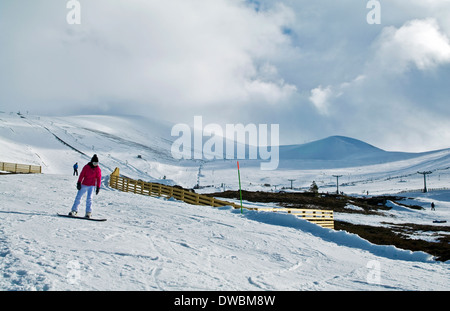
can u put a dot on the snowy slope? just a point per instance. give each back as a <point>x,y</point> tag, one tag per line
<point>57,143</point>
<point>119,141</point>
<point>156,244</point>
<point>140,147</point>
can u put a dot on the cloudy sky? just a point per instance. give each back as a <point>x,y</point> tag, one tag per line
<point>316,68</point>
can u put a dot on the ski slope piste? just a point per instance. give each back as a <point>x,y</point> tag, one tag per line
<point>151,243</point>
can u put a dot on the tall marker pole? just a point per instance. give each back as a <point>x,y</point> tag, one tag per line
<point>337,182</point>
<point>240,191</point>
<point>425,179</point>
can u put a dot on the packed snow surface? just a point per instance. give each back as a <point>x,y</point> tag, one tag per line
<point>158,244</point>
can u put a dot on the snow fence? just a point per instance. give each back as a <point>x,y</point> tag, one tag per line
<point>20,168</point>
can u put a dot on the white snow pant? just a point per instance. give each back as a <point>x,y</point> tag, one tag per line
<point>90,193</point>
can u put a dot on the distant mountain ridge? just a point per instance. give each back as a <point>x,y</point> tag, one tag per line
<point>144,145</point>
<point>330,148</point>
<point>340,151</point>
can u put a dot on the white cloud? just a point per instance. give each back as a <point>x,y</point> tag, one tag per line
<point>418,42</point>
<point>289,62</point>
<point>320,97</point>
<point>269,92</point>
<point>159,54</point>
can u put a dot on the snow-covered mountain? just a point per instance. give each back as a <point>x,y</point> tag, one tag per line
<point>56,143</point>
<point>339,152</point>
<point>141,148</point>
<point>341,148</point>
<point>331,148</point>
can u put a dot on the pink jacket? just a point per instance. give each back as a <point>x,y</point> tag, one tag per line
<point>90,176</point>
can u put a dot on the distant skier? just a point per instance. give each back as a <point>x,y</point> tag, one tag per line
<point>432,206</point>
<point>89,180</point>
<point>75,169</point>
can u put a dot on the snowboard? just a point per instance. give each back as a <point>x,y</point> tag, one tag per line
<point>80,217</point>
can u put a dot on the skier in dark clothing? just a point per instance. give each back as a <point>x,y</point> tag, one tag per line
<point>75,169</point>
<point>432,206</point>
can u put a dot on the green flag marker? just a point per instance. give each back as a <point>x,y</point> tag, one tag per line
<point>240,191</point>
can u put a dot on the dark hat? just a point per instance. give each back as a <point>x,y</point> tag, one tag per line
<point>94,158</point>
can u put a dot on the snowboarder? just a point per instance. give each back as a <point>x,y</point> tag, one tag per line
<point>432,206</point>
<point>88,182</point>
<point>75,169</point>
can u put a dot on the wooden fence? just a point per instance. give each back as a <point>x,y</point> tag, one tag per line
<point>323,218</point>
<point>421,190</point>
<point>20,168</point>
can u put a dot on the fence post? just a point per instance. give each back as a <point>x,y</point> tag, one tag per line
<point>197,199</point>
